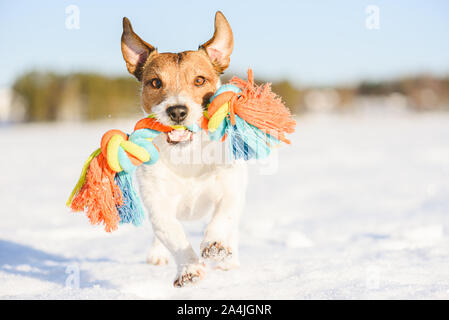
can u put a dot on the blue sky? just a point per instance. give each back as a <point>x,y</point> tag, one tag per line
<point>309,42</point>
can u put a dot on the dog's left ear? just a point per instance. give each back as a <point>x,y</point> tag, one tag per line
<point>219,48</point>
<point>135,51</point>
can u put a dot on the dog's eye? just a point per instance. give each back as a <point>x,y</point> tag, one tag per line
<point>156,83</point>
<point>199,81</point>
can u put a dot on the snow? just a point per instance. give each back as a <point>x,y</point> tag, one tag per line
<point>357,207</point>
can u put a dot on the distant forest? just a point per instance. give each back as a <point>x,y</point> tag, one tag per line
<point>48,96</point>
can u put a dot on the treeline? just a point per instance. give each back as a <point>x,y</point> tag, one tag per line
<point>86,96</point>
<point>48,96</point>
<point>423,92</point>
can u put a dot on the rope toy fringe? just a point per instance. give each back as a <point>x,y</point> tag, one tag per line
<point>250,118</point>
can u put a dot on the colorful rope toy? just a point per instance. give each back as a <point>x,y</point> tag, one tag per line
<point>251,119</point>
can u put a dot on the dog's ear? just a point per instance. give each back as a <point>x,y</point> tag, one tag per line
<point>135,51</point>
<point>219,48</point>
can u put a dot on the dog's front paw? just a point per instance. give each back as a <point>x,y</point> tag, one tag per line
<point>215,250</point>
<point>189,274</point>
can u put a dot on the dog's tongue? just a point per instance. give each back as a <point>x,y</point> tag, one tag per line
<point>179,135</point>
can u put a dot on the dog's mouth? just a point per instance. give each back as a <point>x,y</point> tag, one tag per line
<point>179,136</point>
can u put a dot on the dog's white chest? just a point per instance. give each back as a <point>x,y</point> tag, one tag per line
<point>198,198</point>
<point>190,197</point>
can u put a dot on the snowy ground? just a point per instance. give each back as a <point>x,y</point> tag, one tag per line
<point>358,208</point>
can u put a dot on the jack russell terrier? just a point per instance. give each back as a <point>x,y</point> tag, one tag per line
<point>176,88</point>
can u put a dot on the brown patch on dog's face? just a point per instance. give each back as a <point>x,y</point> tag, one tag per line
<point>189,74</point>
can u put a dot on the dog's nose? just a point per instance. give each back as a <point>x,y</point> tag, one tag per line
<point>177,113</point>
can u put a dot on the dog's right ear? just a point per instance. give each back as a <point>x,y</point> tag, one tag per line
<point>219,48</point>
<point>135,51</point>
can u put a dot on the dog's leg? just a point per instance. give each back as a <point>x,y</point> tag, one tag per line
<point>220,243</point>
<point>159,198</point>
<point>158,254</point>
<point>170,232</point>
<point>231,262</point>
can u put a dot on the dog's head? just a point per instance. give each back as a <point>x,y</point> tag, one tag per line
<point>176,87</point>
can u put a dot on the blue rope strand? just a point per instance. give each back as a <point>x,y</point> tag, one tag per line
<point>131,211</point>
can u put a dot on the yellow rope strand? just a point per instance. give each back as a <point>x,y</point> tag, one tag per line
<point>82,178</point>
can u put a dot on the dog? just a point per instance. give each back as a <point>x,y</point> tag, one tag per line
<point>176,88</point>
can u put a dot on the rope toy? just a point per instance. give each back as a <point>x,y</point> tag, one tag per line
<point>250,118</point>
